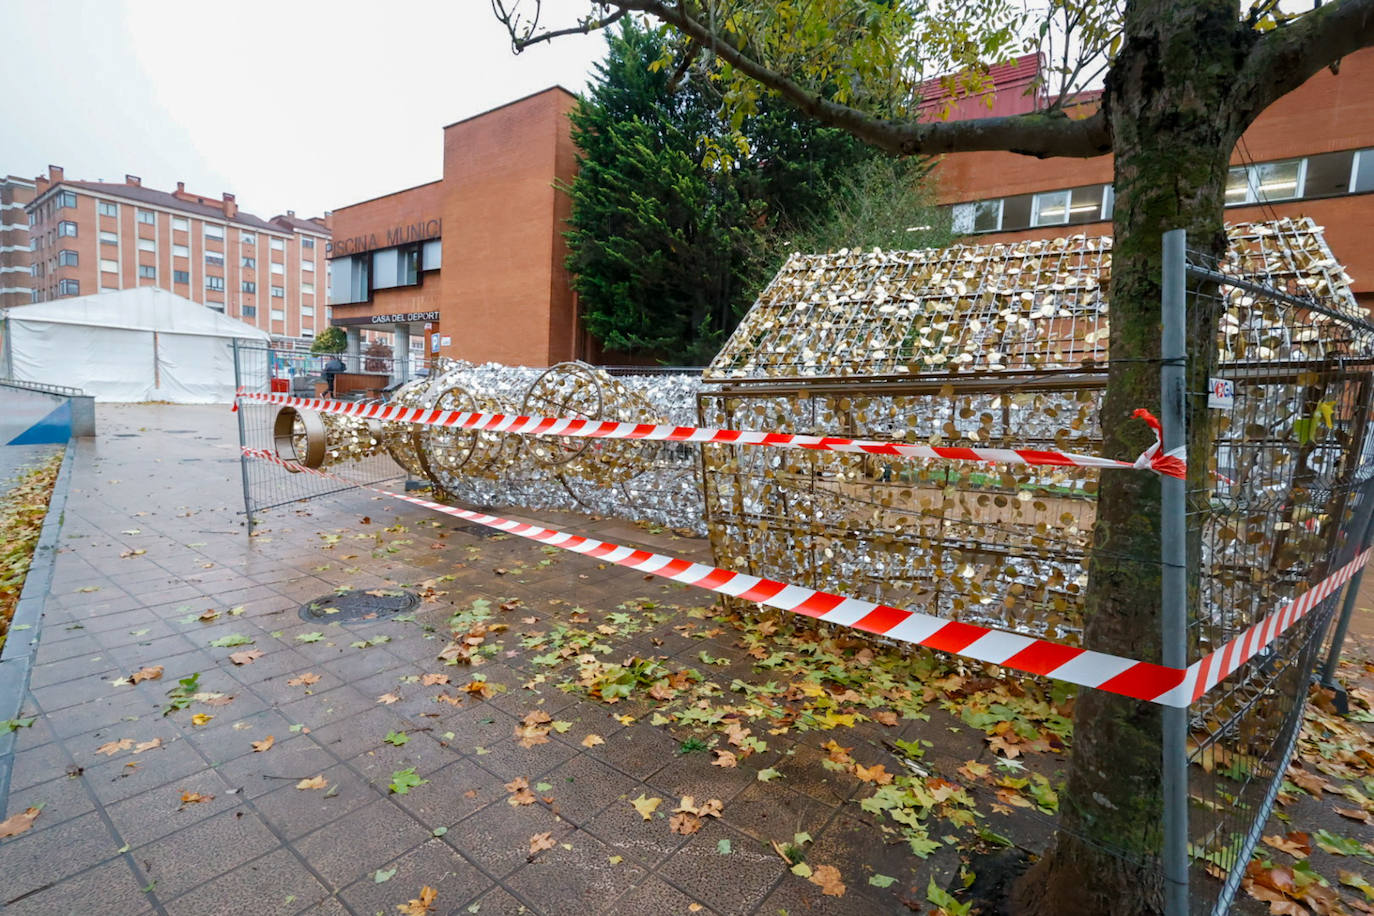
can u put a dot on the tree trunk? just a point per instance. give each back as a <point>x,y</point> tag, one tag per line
<point>1172,139</point>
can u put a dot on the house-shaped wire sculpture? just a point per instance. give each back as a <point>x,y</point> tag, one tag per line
<point>1005,345</point>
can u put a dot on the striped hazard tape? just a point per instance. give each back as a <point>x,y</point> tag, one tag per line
<point>1154,458</point>
<point>1141,680</point>
<point>1215,667</point>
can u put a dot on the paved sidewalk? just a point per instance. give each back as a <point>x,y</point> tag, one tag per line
<point>152,541</point>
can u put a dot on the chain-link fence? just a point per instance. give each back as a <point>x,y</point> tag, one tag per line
<point>1289,502</point>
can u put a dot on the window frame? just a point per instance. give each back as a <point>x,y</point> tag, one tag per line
<point>107,208</point>
<point>211,280</point>
<point>181,276</point>
<point>146,217</point>
<point>68,287</point>
<point>62,258</point>
<point>62,232</point>
<point>147,272</point>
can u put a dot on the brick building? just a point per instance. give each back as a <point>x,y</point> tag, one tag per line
<point>473,260</point>
<point>15,194</point>
<point>92,236</point>
<point>1309,154</point>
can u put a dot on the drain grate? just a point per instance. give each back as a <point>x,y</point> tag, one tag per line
<point>356,605</point>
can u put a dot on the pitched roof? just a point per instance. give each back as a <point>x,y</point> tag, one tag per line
<point>1024,306</point>
<point>172,202</point>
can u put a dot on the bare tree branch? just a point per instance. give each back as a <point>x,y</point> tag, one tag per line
<point>1283,59</point>
<point>520,42</point>
<point>1041,134</point>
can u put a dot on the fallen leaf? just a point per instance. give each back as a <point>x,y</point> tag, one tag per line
<point>110,748</point>
<point>18,823</point>
<point>684,823</point>
<point>201,718</point>
<point>315,782</point>
<point>593,741</point>
<point>827,878</point>
<point>147,745</point>
<point>208,614</point>
<point>876,774</point>
<point>767,775</point>
<point>264,745</point>
<point>881,880</point>
<point>540,842</point>
<point>388,698</point>
<point>246,657</point>
<point>305,680</point>
<point>1297,844</point>
<point>885,717</point>
<point>151,673</point>
<point>646,806</point>
<point>195,798</point>
<point>429,680</point>
<point>724,759</point>
<point>382,875</point>
<point>421,905</point>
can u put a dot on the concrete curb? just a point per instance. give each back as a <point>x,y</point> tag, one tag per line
<point>16,660</point>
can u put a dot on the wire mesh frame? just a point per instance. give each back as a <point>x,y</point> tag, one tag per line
<point>266,485</point>
<point>1289,502</point>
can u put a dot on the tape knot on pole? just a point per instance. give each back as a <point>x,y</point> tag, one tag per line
<point>1172,463</point>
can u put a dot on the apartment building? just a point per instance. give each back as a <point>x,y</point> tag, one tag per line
<point>92,236</point>
<point>1309,154</point>
<point>15,194</point>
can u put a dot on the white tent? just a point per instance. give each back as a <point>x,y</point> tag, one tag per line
<point>143,344</point>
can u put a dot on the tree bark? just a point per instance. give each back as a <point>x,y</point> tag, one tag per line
<point>1172,143</point>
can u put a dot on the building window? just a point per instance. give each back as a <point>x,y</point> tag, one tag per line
<point>392,267</point>
<point>147,272</point>
<point>66,258</point>
<point>35,296</point>
<point>67,228</point>
<point>307,311</point>
<point>147,245</point>
<point>66,199</point>
<point>181,251</point>
<point>106,208</point>
<point>1266,182</point>
<point>1362,172</point>
<point>181,276</point>
<point>249,286</point>
<point>349,279</point>
<point>308,288</point>
<point>215,232</point>
<point>109,266</point>
<point>307,243</point>
<point>278,292</point>
<point>145,216</point>
<point>307,333</point>
<point>109,238</point>
<point>214,260</point>
<point>278,268</point>
<point>278,315</point>
<point>250,311</point>
<point>250,262</point>
<point>68,288</point>
<point>216,283</point>
<point>307,265</point>
<point>278,245</point>
<point>248,238</point>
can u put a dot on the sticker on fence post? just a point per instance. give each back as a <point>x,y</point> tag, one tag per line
<point>1221,393</point>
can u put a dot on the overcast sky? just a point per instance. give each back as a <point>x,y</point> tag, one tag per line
<point>288,104</point>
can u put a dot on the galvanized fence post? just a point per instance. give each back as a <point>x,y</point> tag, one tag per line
<point>1174,560</point>
<point>1352,592</point>
<point>243,459</point>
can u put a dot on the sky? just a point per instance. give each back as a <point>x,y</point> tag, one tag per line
<point>288,104</point>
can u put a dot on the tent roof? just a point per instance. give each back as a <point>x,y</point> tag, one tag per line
<point>145,308</point>
<point>972,309</point>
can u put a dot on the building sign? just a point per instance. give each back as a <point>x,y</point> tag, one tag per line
<point>418,231</point>
<point>402,318</point>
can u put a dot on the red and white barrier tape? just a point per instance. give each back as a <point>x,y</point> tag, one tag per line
<point>1206,673</point>
<point>1171,463</point>
<point>1141,680</point>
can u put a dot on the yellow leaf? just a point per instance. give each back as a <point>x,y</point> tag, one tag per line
<point>201,718</point>
<point>147,745</point>
<point>827,878</point>
<point>421,905</point>
<point>625,719</point>
<point>110,748</point>
<point>315,782</point>
<point>646,806</point>
<point>388,698</point>
<point>593,741</point>
<point>194,798</point>
<point>146,674</point>
<point>264,745</point>
<point>17,824</point>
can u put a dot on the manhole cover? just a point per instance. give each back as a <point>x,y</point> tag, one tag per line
<point>356,604</point>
